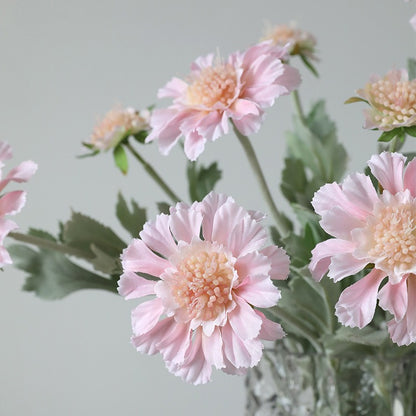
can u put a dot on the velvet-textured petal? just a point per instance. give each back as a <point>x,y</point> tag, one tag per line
<point>145,316</point>
<point>244,321</point>
<point>185,222</point>
<point>357,303</point>
<point>279,262</point>
<point>259,291</point>
<point>12,202</point>
<point>344,265</point>
<point>212,347</point>
<point>270,331</point>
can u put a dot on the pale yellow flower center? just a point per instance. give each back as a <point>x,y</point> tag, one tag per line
<point>395,102</point>
<point>203,283</point>
<point>214,85</point>
<point>393,230</point>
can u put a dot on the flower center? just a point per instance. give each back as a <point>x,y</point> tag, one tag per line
<point>214,85</point>
<point>393,230</point>
<point>395,101</point>
<point>203,281</point>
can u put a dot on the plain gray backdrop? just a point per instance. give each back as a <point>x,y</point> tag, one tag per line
<point>63,63</point>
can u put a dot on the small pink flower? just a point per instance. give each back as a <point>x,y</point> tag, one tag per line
<point>392,101</point>
<point>376,230</point>
<point>299,42</point>
<point>116,125</point>
<point>237,89</point>
<point>11,202</point>
<point>212,272</point>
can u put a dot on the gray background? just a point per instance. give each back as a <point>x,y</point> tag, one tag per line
<point>63,63</point>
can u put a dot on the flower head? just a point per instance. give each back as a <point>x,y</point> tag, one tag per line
<point>116,125</point>
<point>212,270</point>
<point>392,101</point>
<point>376,231</point>
<point>299,42</point>
<point>11,202</point>
<point>215,91</point>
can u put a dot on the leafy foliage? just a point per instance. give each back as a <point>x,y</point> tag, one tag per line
<point>202,180</point>
<point>53,276</point>
<point>120,158</point>
<point>131,219</point>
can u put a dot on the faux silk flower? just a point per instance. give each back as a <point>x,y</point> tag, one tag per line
<point>116,125</point>
<point>211,272</point>
<point>392,101</point>
<point>216,91</point>
<point>376,230</point>
<point>12,202</point>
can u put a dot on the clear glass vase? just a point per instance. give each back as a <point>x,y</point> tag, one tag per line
<point>288,383</point>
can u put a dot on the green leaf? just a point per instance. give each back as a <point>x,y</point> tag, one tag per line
<point>53,276</point>
<point>141,136</point>
<point>120,158</point>
<point>294,182</point>
<point>91,237</point>
<point>41,234</point>
<point>202,180</point>
<point>355,100</point>
<point>411,65</point>
<point>163,207</point>
<point>132,220</point>
<point>411,131</point>
<point>387,136</point>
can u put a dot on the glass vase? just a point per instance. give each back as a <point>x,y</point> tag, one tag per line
<point>290,383</point>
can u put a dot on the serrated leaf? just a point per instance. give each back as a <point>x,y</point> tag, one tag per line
<point>355,100</point>
<point>41,234</point>
<point>132,220</point>
<point>105,263</point>
<point>387,136</point>
<point>82,232</point>
<point>411,65</point>
<point>163,207</point>
<point>202,180</point>
<point>120,158</point>
<point>411,131</point>
<point>53,276</point>
<point>294,182</point>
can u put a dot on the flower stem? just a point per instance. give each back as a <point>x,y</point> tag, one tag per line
<point>298,106</point>
<point>49,244</point>
<point>281,222</point>
<point>155,176</point>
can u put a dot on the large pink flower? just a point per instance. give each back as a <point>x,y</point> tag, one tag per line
<point>212,272</point>
<point>375,230</point>
<point>237,89</point>
<point>11,202</point>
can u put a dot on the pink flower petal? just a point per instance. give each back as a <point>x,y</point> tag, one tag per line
<point>388,169</point>
<point>212,347</point>
<point>242,108</point>
<point>5,151</point>
<point>12,202</point>
<point>279,262</point>
<point>147,342</point>
<point>393,298</point>
<point>270,331</point>
<point>240,353</point>
<point>138,258</point>
<point>252,264</point>
<point>185,222</point>
<point>209,207</point>
<point>322,253</point>
<point>244,321</point>
<point>344,265</point>
<point>174,88</point>
<point>132,286</point>
<point>340,223</point>
<point>175,342</point>
<point>357,303</point>
<point>410,177</point>
<point>399,333</point>
<point>157,236</point>
<point>259,291</point>
<point>194,145</point>
<point>21,173</point>
<point>145,316</point>
<point>5,227</point>
<point>249,124</point>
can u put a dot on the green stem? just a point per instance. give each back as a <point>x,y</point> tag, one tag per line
<point>298,106</point>
<point>51,245</point>
<point>281,222</point>
<point>155,176</point>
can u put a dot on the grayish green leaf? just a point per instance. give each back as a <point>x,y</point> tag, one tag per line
<point>131,219</point>
<point>202,180</point>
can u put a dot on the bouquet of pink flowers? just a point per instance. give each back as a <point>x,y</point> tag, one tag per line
<point>213,287</point>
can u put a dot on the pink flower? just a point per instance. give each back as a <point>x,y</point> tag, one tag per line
<point>116,125</point>
<point>238,89</point>
<point>375,230</point>
<point>11,202</point>
<point>211,271</point>
<point>392,101</point>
